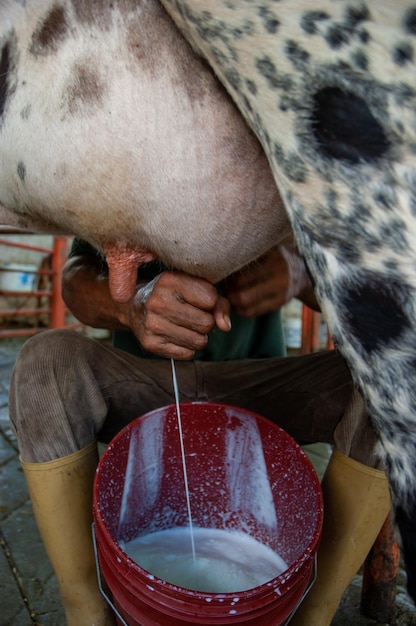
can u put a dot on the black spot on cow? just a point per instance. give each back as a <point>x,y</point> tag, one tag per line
<point>21,170</point>
<point>403,53</point>
<point>285,103</point>
<point>246,104</point>
<point>310,20</point>
<point>296,53</point>
<point>4,75</point>
<point>278,153</point>
<point>321,268</point>
<point>404,94</point>
<point>294,168</point>
<point>360,59</point>
<point>394,232</point>
<point>345,128</point>
<point>363,36</point>
<point>51,30</point>
<point>336,36</point>
<point>363,210</point>
<point>233,77</point>
<point>354,16</point>
<point>270,20</point>
<point>386,198</point>
<point>219,56</point>
<point>409,21</point>
<point>340,33</point>
<point>251,86</point>
<point>391,265</point>
<point>275,79</point>
<point>85,88</point>
<point>265,137</point>
<point>373,310</point>
<point>348,250</point>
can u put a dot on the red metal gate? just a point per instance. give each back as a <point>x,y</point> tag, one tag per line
<point>55,311</point>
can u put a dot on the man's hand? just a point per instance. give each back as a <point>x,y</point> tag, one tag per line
<point>270,282</point>
<point>172,315</point>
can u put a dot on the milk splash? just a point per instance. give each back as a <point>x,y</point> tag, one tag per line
<point>144,471</point>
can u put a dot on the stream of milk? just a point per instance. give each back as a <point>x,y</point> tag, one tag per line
<point>226,561</point>
<point>185,473</point>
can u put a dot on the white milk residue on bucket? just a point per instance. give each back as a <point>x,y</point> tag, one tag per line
<point>248,482</point>
<point>144,467</point>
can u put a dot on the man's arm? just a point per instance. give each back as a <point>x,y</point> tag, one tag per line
<point>171,315</point>
<point>270,282</point>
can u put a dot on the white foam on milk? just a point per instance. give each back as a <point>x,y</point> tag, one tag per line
<point>248,482</point>
<point>226,561</point>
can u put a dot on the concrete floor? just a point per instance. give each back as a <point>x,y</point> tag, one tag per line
<point>28,589</point>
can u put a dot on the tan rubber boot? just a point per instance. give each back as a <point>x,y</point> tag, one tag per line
<point>357,502</point>
<point>61,494</point>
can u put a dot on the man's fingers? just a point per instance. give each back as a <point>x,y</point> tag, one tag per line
<point>222,314</point>
<point>173,335</point>
<point>172,351</point>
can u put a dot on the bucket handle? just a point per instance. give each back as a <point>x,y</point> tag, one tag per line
<point>305,593</point>
<point>124,623</point>
<point>100,586</point>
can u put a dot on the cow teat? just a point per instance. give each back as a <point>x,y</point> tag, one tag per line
<point>123,262</point>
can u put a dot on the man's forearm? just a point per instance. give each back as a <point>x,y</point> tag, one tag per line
<point>86,293</point>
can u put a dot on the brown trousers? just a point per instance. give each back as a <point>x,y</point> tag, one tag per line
<point>67,390</point>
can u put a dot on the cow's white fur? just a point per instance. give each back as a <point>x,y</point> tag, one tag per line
<point>112,125</point>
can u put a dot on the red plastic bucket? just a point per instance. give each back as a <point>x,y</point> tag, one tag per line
<point>244,473</point>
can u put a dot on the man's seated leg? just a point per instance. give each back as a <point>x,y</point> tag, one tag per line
<point>313,398</point>
<point>65,391</point>
<point>356,501</point>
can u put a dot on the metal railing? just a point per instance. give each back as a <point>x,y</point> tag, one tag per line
<point>55,310</point>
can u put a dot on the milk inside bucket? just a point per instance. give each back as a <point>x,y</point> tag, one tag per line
<point>247,478</point>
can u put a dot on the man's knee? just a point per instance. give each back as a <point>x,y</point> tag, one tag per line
<point>48,345</point>
<point>355,435</point>
<point>51,351</point>
<point>47,416</point>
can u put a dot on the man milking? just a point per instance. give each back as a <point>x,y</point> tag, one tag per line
<point>69,392</point>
